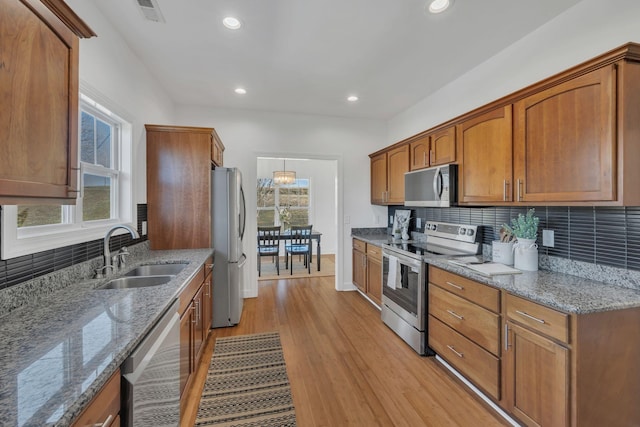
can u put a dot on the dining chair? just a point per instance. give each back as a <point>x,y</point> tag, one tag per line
<point>298,243</point>
<point>268,245</point>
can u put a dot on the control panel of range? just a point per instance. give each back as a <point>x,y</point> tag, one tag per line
<point>463,233</point>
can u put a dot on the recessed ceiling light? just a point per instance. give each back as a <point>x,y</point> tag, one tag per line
<point>232,23</point>
<point>439,6</point>
<point>352,98</point>
<point>240,91</point>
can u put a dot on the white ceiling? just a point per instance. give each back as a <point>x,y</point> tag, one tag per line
<point>307,56</point>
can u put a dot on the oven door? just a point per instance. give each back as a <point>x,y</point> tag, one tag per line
<point>403,287</point>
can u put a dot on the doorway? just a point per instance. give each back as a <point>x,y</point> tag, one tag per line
<point>312,198</point>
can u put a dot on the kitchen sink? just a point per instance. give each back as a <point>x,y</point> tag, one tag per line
<point>156,270</point>
<point>137,282</point>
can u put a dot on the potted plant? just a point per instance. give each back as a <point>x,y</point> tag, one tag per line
<point>525,228</point>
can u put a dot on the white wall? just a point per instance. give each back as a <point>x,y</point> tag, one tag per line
<point>588,29</point>
<point>322,175</point>
<point>110,69</point>
<point>248,135</point>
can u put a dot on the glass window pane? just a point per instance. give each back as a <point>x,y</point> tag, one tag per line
<point>303,197</point>
<point>288,197</point>
<point>266,218</point>
<point>103,144</point>
<point>266,193</point>
<point>97,197</point>
<point>87,138</point>
<point>32,215</point>
<point>299,217</point>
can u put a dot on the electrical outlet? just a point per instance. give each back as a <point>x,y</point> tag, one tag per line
<point>418,222</point>
<point>144,228</point>
<point>390,219</point>
<point>548,238</point>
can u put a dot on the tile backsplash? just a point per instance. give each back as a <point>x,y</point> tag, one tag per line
<point>17,270</point>
<point>600,235</point>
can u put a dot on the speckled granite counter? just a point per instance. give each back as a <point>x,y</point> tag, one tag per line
<point>58,351</point>
<point>564,292</point>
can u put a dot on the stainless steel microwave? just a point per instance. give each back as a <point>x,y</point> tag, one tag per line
<point>436,187</point>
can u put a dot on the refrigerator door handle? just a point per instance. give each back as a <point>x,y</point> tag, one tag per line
<point>243,260</point>
<point>243,214</point>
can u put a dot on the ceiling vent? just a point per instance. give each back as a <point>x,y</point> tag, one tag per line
<point>150,10</point>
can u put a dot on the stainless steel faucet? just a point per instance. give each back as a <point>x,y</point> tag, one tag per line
<point>107,253</point>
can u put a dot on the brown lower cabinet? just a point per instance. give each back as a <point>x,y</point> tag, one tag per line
<point>367,269</point>
<point>542,366</point>
<point>195,323</point>
<point>104,408</point>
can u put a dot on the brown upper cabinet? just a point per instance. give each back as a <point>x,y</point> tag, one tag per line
<point>179,186</point>
<point>387,175</point>
<point>438,148</point>
<point>39,97</point>
<point>217,150</point>
<point>572,139</point>
<point>565,141</point>
<point>485,169</point>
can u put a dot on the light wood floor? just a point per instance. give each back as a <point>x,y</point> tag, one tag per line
<point>345,366</point>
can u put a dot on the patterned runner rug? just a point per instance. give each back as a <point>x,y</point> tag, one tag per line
<point>247,384</point>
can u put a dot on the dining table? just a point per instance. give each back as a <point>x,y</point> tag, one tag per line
<point>315,235</point>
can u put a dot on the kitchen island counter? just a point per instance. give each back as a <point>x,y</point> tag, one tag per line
<point>59,350</point>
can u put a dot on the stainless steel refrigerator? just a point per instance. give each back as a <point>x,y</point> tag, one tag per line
<point>229,221</point>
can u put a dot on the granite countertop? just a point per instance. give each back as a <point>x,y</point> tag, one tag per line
<point>374,239</point>
<point>564,292</point>
<point>59,351</point>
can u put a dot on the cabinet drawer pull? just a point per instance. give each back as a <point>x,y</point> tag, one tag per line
<point>528,316</point>
<point>456,352</point>
<point>455,286</point>
<point>504,190</point>
<point>454,314</point>
<point>431,157</point>
<point>519,184</point>
<point>424,158</point>
<point>194,317</point>
<point>506,337</point>
<point>105,423</point>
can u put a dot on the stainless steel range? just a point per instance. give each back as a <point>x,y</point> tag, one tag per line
<point>404,277</point>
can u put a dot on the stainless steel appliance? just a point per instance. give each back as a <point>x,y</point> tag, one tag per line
<point>404,277</point>
<point>151,376</point>
<point>436,187</point>
<point>229,221</point>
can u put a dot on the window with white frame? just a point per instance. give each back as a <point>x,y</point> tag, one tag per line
<point>105,195</point>
<point>284,205</point>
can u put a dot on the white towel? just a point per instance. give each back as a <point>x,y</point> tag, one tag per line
<point>392,278</point>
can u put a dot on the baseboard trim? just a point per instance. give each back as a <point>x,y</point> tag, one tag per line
<point>478,392</point>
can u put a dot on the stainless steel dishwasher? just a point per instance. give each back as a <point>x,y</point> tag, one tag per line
<point>151,376</point>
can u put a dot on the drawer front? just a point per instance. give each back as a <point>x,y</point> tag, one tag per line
<point>474,322</point>
<point>538,317</point>
<point>104,407</point>
<point>374,252</point>
<point>478,293</point>
<point>189,291</point>
<point>359,245</point>
<point>478,365</point>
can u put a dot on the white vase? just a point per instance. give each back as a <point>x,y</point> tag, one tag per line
<point>405,234</point>
<point>525,255</point>
<point>502,252</point>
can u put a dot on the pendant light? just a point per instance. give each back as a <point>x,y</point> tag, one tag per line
<point>284,177</point>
